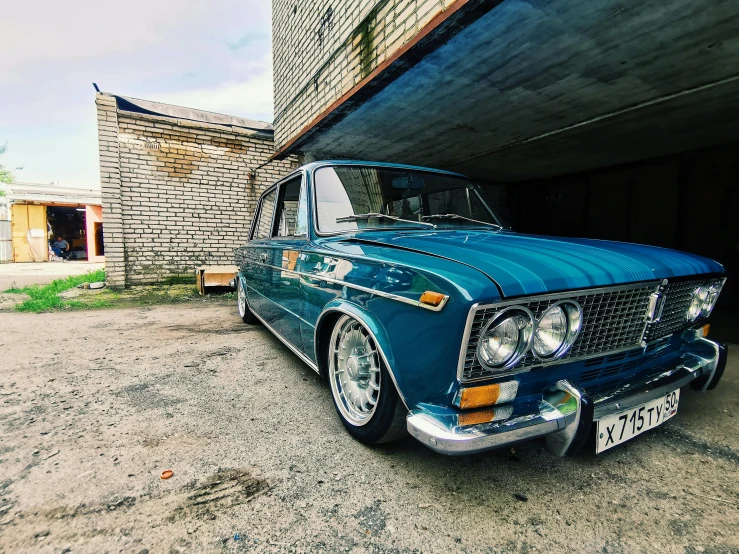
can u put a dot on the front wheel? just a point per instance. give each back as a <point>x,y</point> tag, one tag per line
<point>363,393</point>
<point>243,306</point>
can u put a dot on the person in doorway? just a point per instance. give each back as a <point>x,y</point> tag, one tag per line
<point>61,248</point>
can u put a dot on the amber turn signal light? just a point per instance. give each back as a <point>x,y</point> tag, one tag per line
<point>485,416</point>
<point>706,329</point>
<point>432,298</point>
<point>474,418</point>
<point>487,395</point>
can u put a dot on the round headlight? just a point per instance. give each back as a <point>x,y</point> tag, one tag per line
<point>713,293</point>
<point>551,331</point>
<point>698,303</point>
<point>505,338</point>
<point>557,329</point>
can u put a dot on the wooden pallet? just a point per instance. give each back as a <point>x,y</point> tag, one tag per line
<point>214,276</point>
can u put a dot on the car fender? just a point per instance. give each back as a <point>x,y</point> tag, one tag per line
<point>370,322</point>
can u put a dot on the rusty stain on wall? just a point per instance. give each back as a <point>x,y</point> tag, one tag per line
<point>180,155</point>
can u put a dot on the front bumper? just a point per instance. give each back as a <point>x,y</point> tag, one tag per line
<point>565,414</point>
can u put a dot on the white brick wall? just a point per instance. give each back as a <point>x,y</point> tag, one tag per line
<point>324,48</point>
<point>176,194</point>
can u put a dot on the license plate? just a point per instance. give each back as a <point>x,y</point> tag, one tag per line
<point>620,427</point>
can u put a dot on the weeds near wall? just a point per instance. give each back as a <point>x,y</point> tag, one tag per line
<point>46,297</point>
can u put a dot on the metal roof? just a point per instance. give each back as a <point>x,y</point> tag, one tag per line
<point>52,194</point>
<point>137,105</point>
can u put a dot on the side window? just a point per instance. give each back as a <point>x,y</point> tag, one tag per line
<point>292,210</point>
<point>264,218</point>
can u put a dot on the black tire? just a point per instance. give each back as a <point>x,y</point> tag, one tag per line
<point>242,304</point>
<point>352,378</point>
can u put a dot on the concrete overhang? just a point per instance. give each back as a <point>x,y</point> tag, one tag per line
<point>521,90</point>
<point>36,193</point>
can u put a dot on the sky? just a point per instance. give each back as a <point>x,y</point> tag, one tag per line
<point>213,55</point>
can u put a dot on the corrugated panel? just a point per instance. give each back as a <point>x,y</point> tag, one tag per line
<point>5,232</point>
<point>6,251</point>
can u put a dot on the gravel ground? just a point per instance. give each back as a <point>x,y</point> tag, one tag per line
<point>95,405</point>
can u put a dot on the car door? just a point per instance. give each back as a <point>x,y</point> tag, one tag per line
<point>257,272</point>
<point>289,237</point>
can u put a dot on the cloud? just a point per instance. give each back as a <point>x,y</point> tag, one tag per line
<point>85,29</point>
<point>212,55</point>
<point>246,40</point>
<point>251,99</point>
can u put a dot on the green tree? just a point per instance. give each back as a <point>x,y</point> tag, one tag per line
<point>6,175</point>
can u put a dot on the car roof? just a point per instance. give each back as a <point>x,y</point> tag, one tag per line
<point>312,165</point>
<point>324,163</point>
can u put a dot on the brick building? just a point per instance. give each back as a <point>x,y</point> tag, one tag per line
<point>179,186</point>
<point>323,49</point>
<point>579,118</point>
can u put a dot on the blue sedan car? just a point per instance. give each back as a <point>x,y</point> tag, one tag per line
<point>428,316</point>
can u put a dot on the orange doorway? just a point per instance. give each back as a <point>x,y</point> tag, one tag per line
<point>94,226</point>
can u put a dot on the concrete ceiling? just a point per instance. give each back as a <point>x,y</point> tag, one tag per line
<point>541,88</point>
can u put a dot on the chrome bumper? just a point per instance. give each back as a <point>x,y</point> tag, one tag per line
<point>565,414</point>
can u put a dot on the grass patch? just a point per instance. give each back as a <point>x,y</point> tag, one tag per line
<point>46,297</point>
<point>146,295</point>
<point>143,295</point>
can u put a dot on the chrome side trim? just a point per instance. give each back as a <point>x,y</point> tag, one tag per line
<point>324,313</point>
<point>563,295</point>
<point>287,343</point>
<point>368,290</point>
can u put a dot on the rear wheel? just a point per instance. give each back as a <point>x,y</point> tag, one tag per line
<point>364,395</point>
<point>243,306</point>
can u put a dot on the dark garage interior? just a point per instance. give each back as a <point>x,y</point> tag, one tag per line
<point>687,201</point>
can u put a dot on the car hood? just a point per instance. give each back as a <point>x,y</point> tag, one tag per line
<point>530,264</point>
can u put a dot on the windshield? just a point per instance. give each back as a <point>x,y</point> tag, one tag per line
<point>364,197</point>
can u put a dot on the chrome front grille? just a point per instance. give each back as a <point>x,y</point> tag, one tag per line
<point>678,295</point>
<point>614,318</point>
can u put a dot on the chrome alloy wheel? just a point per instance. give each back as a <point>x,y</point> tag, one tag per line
<point>354,371</point>
<point>242,297</point>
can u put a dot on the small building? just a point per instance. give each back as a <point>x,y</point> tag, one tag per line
<point>179,186</point>
<point>32,214</point>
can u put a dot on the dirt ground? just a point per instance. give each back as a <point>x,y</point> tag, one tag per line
<point>94,405</point>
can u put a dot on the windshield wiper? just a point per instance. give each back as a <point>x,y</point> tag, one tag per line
<point>361,217</point>
<point>457,216</point>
